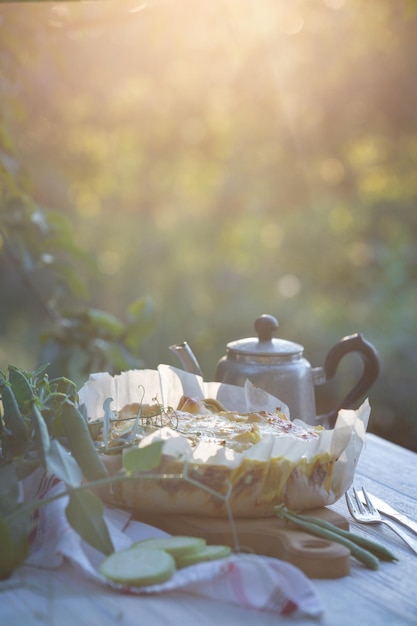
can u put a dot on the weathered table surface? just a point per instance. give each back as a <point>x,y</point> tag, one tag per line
<point>384,597</point>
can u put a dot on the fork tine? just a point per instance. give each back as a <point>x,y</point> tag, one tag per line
<point>350,503</point>
<point>368,501</point>
<point>358,501</point>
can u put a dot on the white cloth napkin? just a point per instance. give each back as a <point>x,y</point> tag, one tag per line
<point>250,580</point>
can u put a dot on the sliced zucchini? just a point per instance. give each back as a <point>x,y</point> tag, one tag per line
<point>137,568</point>
<point>209,553</point>
<point>177,546</point>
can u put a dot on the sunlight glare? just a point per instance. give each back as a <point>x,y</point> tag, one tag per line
<point>292,22</point>
<point>334,4</point>
<point>139,7</point>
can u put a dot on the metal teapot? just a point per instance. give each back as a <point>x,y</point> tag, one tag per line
<point>279,367</point>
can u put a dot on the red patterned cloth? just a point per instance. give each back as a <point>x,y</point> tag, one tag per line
<point>254,581</point>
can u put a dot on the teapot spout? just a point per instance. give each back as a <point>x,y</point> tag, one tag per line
<point>186,357</point>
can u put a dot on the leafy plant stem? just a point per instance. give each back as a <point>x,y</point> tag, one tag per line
<point>33,505</point>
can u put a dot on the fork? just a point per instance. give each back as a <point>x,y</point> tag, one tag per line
<point>366,513</point>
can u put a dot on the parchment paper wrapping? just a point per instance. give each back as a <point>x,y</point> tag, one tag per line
<point>303,473</point>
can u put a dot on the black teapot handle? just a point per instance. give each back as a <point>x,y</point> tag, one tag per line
<point>352,343</point>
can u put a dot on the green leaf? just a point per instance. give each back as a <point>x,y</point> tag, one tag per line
<point>13,418</point>
<point>65,386</point>
<point>137,460</point>
<point>141,315</point>
<point>85,514</point>
<point>9,488</point>
<point>81,445</point>
<point>22,388</point>
<point>105,323</point>
<point>108,415</point>
<point>7,561</point>
<point>40,370</point>
<point>42,439</point>
<point>14,540</point>
<point>60,463</point>
<point>75,281</point>
<point>141,308</point>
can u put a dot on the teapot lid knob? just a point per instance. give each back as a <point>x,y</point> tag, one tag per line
<point>265,326</point>
<point>264,344</point>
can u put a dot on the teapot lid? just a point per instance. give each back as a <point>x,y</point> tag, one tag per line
<point>265,344</point>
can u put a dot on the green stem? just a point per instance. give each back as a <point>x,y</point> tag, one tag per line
<point>33,505</point>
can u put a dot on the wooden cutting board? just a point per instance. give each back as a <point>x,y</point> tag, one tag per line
<point>269,536</point>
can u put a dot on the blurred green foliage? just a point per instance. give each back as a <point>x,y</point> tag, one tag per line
<point>218,160</point>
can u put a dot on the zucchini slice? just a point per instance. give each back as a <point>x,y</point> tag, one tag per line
<point>177,546</point>
<point>138,568</point>
<point>209,553</point>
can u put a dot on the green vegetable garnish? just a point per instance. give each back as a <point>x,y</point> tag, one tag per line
<point>364,550</point>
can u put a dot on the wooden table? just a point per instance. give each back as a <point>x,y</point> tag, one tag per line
<point>385,597</point>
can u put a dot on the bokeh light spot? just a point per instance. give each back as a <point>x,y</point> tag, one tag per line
<point>271,236</point>
<point>332,171</point>
<point>340,219</point>
<point>289,286</point>
<point>109,262</point>
<point>360,253</point>
<point>193,131</point>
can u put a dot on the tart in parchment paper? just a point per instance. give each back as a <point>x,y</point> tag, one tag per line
<point>257,458</point>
